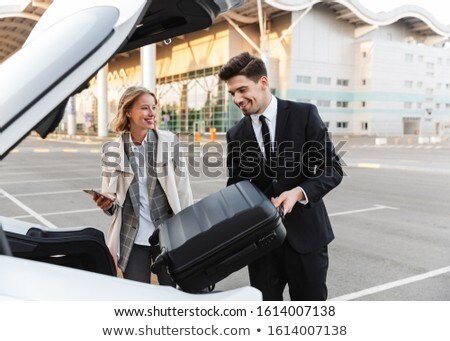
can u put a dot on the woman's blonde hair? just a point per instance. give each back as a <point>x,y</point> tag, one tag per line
<point>121,122</point>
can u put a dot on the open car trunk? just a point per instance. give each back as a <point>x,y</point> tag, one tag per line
<point>72,41</point>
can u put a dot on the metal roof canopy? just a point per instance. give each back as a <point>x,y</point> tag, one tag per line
<point>344,13</point>
<point>16,24</point>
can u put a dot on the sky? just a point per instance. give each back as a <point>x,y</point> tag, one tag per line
<point>439,8</point>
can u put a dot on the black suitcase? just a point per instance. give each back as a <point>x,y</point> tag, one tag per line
<point>83,249</point>
<point>218,235</point>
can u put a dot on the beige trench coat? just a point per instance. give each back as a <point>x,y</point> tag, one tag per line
<point>117,175</point>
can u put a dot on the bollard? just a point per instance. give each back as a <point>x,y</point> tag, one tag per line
<point>212,131</point>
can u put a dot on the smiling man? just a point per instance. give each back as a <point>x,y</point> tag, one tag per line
<point>283,148</point>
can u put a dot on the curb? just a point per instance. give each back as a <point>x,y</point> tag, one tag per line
<point>363,165</point>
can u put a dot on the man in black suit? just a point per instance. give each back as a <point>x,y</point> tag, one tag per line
<point>283,147</point>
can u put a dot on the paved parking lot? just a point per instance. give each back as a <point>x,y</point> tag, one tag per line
<point>390,214</point>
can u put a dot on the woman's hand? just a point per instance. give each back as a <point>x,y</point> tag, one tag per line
<point>104,203</point>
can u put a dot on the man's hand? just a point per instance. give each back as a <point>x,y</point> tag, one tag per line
<point>288,199</point>
<point>102,202</point>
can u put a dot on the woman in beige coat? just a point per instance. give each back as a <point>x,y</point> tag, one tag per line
<point>147,181</point>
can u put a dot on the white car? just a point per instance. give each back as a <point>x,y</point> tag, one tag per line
<point>68,45</point>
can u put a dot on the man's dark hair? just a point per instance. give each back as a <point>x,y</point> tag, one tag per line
<point>244,64</point>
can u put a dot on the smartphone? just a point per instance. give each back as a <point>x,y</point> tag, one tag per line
<point>92,191</point>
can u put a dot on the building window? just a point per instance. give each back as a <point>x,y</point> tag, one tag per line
<point>364,54</point>
<point>364,125</point>
<point>447,86</point>
<point>408,84</point>
<point>363,104</point>
<point>327,124</point>
<point>323,103</point>
<point>342,104</point>
<point>429,91</point>
<point>447,105</point>
<point>430,65</point>
<point>420,59</point>
<point>343,82</point>
<point>304,100</point>
<point>304,79</point>
<point>429,99</point>
<point>419,105</point>
<point>190,97</point>
<point>363,82</point>
<point>407,105</point>
<point>429,74</point>
<point>409,57</point>
<point>438,105</point>
<point>342,124</point>
<point>411,119</point>
<point>438,85</point>
<point>324,80</point>
<point>439,61</point>
<point>419,84</point>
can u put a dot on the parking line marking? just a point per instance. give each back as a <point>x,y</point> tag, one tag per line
<point>74,211</point>
<point>390,285</point>
<point>46,180</point>
<point>368,165</point>
<point>27,209</point>
<point>47,172</point>
<point>374,208</point>
<point>58,213</point>
<point>80,141</point>
<point>47,165</point>
<point>204,181</point>
<point>46,193</point>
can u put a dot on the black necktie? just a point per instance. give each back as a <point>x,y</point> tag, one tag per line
<point>265,136</point>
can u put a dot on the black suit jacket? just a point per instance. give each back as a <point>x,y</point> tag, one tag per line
<point>304,156</point>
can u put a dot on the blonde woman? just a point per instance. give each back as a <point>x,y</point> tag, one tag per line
<point>145,181</point>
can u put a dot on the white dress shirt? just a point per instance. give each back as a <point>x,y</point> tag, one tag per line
<point>146,226</point>
<point>271,119</point>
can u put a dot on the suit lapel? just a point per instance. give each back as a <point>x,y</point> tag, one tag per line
<point>151,174</point>
<point>162,150</point>
<point>282,115</point>
<point>251,143</point>
<point>134,186</point>
<point>250,137</point>
<point>248,130</point>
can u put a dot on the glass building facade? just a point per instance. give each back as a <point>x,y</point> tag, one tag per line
<point>193,102</point>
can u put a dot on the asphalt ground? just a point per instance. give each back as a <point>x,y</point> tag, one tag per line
<point>390,214</point>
